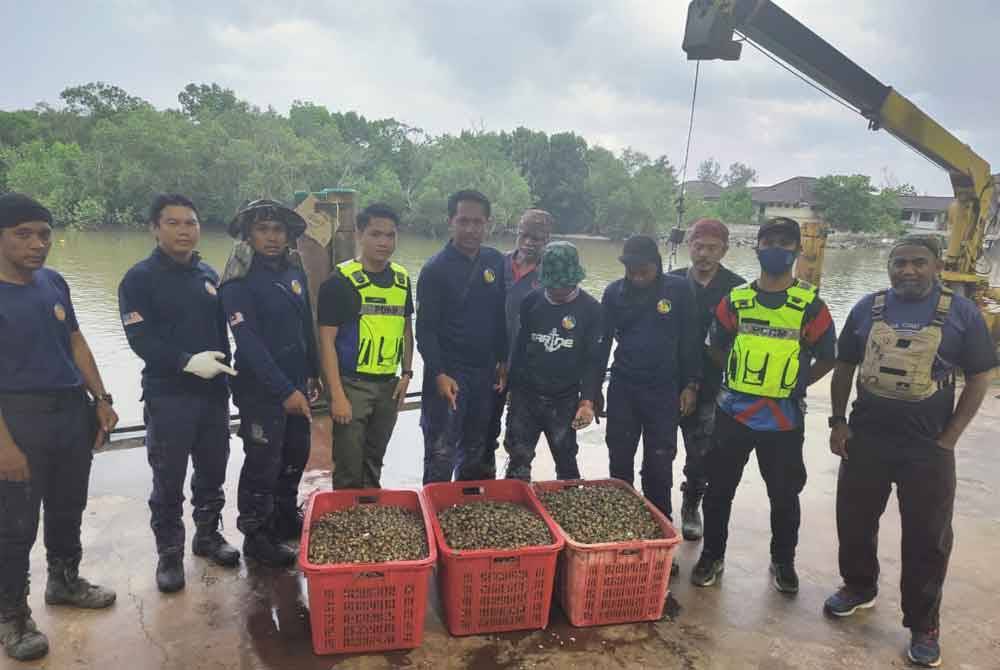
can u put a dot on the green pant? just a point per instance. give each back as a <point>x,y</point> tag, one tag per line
<point>359,446</point>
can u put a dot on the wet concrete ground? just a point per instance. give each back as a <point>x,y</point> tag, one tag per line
<point>257,618</point>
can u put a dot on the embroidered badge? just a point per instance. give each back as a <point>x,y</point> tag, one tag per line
<point>296,287</point>
<point>663,307</point>
<point>257,433</point>
<point>568,322</point>
<point>210,287</point>
<point>131,318</point>
<point>235,319</point>
<point>60,312</point>
<point>488,276</point>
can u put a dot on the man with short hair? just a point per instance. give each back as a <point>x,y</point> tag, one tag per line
<point>462,337</point>
<point>708,242</point>
<point>909,342</point>
<point>656,371</point>
<point>172,316</point>
<point>774,338</point>
<point>556,368</point>
<point>365,334</point>
<point>48,432</point>
<point>534,230</point>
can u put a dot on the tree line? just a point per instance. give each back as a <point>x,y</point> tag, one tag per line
<point>100,156</point>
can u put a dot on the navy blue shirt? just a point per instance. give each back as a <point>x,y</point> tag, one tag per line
<point>657,330</point>
<point>461,317</point>
<point>966,345</point>
<point>269,313</point>
<point>171,311</point>
<point>517,288</point>
<point>36,321</point>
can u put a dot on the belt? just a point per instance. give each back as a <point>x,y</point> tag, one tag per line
<point>42,401</point>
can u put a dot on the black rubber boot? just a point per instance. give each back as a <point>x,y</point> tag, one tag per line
<point>266,551</point>
<point>691,525</point>
<point>67,587</point>
<point>287,522</point>
<point>170,571</point>
<point>19,635</point>
<point>209,543</point>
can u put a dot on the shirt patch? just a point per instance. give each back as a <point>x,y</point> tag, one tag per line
<point>664,306</point>
<point>60,312</point>
<point>235,319</point>
<point>131,318</point>
<point>568,322</point>
<point>489,276</point>
<point>210,287</point>
<point>296,287</point>
<point>552,341</point>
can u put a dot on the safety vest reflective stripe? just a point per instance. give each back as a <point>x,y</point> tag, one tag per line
<point>382,319</point>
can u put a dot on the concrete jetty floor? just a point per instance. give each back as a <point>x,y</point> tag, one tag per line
<point>257,618</point>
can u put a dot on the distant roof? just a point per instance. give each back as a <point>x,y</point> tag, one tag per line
<point>702,189</point>
<point>924,203</point>
<point>795,190</point>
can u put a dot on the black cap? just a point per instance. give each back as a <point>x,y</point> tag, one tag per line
<point>263,210</point>
<point>17,208</point>
<point>781,225</point>
<point>640,249</point>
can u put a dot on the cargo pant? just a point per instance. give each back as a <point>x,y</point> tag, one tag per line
<point>359,446</point>
<point>179,427</point>
<point>55,432</point>
<point>531,415</point>
<point>650,413</point>
<point>924,476</point>
<point>697,430</point>
<point>454,440</point>
<point>276,448</point>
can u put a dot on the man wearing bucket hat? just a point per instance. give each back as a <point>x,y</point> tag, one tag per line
<point>266,302</point>
<point>556,366</point>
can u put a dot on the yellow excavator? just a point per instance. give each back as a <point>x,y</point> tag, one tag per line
<point>717,30</point>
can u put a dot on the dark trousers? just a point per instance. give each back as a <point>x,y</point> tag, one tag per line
<point>697,430</point>
<point>179,427</point>
<point>493,435</point>
<point>359,446</point>
<point>54,432</point>
<point>925,487</point>
<point>276,448</point>
<point>454,440</point>
<point>779,457</point>
<point>650,413</point>
<point>531,415</point>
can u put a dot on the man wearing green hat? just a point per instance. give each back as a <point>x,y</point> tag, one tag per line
<point>556,366</point>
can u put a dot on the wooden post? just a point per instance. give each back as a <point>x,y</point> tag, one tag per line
<point>810,264</point>
<point>329,236</point>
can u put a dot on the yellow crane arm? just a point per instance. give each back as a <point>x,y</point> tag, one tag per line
<point>709,36</point>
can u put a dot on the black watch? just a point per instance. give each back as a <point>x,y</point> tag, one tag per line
<point>835,420</point>
<point>105,397</point>
<point>406,373</point>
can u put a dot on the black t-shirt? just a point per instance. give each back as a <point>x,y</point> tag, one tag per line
<point>340,303</point>
<point>558,349</point>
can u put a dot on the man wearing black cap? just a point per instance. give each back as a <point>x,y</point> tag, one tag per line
<point>266,301</point>
<point>170,310</point>
<point>768,334</point>
<point>909,342</point>
<point>657,367</point>
<point>47,429</point>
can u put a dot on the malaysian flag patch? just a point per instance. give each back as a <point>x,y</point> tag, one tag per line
<point>131,318</point>
<point>235,319</point>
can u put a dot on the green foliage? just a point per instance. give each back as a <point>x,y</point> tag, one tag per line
<point>709,170</point>
<point>851,203</point>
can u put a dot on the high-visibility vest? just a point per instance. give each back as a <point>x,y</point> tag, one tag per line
<point>378,347</point>
<point>764,360</point>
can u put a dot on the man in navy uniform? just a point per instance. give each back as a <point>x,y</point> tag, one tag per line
<point>170,310</point>
<point>47,429</point>
<point>266,301</point>
<point>462,337</point>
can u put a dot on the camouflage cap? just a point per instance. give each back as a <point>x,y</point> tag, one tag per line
<point>560,266</point>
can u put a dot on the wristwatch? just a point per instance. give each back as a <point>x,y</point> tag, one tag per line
<point>105,397</point>
<point>406,373</point>
<point>834,420</point>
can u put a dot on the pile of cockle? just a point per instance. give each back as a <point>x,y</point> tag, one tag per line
<point>492,525</point>
<point>368,534</point>
<point>597,514</point>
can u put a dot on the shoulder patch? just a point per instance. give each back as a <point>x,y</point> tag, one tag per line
<point>235,319</point>
<point>131,319</point>
<point>489,276</point>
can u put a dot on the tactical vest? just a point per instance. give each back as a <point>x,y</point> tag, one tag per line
<point>898,365</point>
<point>382,321</point>
<point>764,360</point>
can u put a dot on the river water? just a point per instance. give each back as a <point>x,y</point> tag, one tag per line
<point>94,263</point>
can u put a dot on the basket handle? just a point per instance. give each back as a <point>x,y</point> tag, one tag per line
<point>507,559</point>
<point>630,553</point>
<point>366,500</point>
<point>473,491</point>
<point>370,575</point>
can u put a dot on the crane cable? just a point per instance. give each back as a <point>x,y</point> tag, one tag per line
<point>679,230</point>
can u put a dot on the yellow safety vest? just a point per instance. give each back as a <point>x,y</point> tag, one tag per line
<point>382,321</point>
<point>764,360</point>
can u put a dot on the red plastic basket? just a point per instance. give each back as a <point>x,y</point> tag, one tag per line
<point>490,590</point>
<point>359,607</point>
<point>614,582</point>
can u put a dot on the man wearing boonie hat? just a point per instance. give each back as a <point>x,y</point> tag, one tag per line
<point>265,298</point>
<point>708,242</point>
<point>556,366</point>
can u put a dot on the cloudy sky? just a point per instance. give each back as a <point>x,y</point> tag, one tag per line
<point>611,71</point>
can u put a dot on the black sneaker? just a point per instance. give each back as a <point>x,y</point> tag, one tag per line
<point>170,572</point>
<point>785,578</point>
<point>19,636</point>
<point>707,571</point>
<point>691,525</point>
<point>266,551</point>
<point>211,545</point>
<point>925,649</point>
<point>847,601</point>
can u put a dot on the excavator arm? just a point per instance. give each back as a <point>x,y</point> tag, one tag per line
<point>711,25</point>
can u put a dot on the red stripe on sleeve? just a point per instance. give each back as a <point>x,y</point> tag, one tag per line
<point>813,331</point>
<point>725,315</point>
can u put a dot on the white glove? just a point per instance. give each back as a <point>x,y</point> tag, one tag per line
<point>208,365</point>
